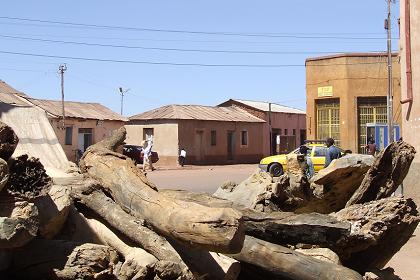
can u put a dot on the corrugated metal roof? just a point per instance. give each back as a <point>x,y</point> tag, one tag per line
<point>264,106</point>
<point>197,112</point>
<point>5,88</point>
<point>340,55</point>
<point>80,110</point>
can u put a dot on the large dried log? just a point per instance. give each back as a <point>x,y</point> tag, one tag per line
<point>276,227</point>
<point>8,141</point>
<point>63,260</point>
<point>291,192</point>
<point>379,229</point>
<point>277,262</point>
<point>18,222</point>
<point>53,210</point>
<point>387,173</point>
<point>136,260</point>
<point>203,264</point>
<point>218,230</point>
<point>335,184</point>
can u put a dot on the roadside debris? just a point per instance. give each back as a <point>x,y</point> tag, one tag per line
<point>114,223</point>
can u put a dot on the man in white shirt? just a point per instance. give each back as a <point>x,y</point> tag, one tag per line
<point>147,155</point>
<point>182,156</point>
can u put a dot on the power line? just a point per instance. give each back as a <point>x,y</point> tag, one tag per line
<point>182,64</point>
<point>172,40</point>
<point>241,34</point>
<point>171,49</point>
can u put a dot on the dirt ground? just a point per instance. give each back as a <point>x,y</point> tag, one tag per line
<point>406,262</point>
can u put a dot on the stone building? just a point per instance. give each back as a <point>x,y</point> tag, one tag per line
<point>210,135</point>
<point>288,125</point>
<point>347,91</point>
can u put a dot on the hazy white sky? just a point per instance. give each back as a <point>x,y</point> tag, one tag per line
<point>232,49</point>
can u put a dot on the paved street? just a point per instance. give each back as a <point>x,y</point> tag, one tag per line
<point>201,178</point>
<point>209,178</point>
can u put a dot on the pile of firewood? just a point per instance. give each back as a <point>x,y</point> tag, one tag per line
<point>114,223</point>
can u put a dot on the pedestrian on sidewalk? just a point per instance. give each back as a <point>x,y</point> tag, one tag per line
<point>371,147</point>
<point>332,153</point>
<point>147,154</point>
<point>310,166</point>
<point>182,156</point>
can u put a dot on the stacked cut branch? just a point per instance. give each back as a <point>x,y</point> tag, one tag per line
<point>115,224</point>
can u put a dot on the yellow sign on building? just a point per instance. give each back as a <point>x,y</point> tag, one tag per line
<point>325,91</point>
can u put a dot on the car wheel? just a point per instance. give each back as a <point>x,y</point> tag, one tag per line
<point>275,170</point>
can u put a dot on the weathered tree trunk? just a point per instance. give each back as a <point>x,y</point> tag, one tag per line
<point>379,229</point>
<point>278,262</point>
<point>53,210</point>
<point>18,222</point>
<point>276,227</point>
<point>292,192</point>
<point>218,230</point>
<point>387,173</point>
<point>203,264</point>
<point>8,141</point>
<point>64,260</point>
<point>335,184</point>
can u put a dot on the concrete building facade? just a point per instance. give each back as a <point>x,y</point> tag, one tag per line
<point>210,135</point>
<point>286,125</point>
<point>410,88</point>
<point>345,92</point>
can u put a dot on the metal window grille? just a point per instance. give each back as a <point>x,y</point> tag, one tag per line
<point>371,112</point>
<point>328,120</point>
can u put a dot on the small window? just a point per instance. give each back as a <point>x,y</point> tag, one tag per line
<point>244,138</point>
<point>213,137</point>
<point>147,133</point>
<point>285,131</point>
<point>69,135</point>
<point>294,131</point>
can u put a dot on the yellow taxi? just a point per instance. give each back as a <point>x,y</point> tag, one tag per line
<point>276,165</point>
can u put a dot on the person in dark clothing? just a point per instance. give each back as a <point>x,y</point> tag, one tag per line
<point>310,166</point>
<point>332,153</point>
<point>371,147</point>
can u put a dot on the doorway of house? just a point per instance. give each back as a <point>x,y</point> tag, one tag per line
<point>199,138</point>
<point>85,138</point>
<point>230,144</point>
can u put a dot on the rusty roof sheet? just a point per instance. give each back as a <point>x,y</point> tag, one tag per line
<point>264,106</point>
<point>80,110</point>
<point>198,112</point>
<point>10,95</point>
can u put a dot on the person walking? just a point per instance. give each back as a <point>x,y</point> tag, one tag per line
<point>371,147</point>
<point>147,154</point>
<point>182,156</point>
<point>332,153</point>
<point>310,166</point>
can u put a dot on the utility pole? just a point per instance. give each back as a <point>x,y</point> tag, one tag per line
<point>61,69</point>
<point>270,128</point>
<point>122,92</point>
<point>390,81</point>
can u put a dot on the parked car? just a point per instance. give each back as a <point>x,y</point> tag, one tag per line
<point>276,165</point>
<point>136,153</point>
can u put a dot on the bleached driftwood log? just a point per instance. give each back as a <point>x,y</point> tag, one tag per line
<point>63,260</point>
<point>386,174</point>
<point>218,230</point>
<point>379,230</point>
<point>19,222</point>
<point>276,227</point>
<point>273,261</point>
<point>203,264</point>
